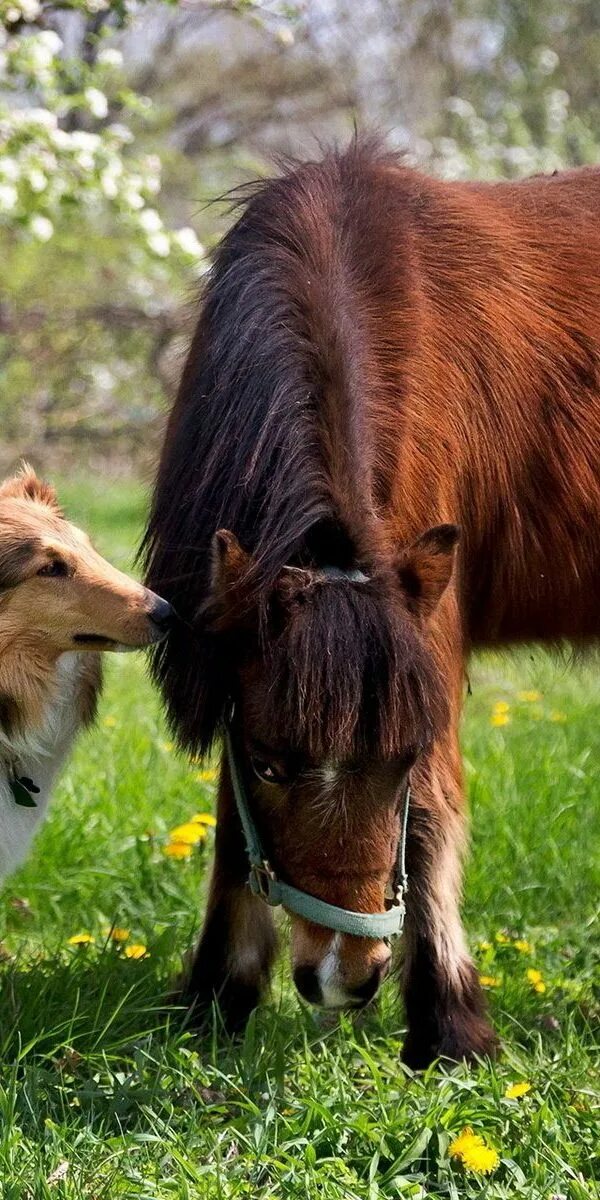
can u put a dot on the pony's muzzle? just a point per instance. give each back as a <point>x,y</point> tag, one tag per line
<point>330,985</point>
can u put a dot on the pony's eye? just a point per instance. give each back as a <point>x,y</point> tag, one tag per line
<point>267,772</point>
<point>56,569</point>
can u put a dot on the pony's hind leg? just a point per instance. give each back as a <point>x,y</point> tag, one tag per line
<point>232,963</point>
<point>445,1005</point>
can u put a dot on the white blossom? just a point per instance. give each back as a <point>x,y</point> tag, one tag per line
<point>160,244</point>
<point>42,117</point>
<point>37,180</point>
<point>50,41</point>
<point>9,168</point>
<point>188,242</point>
<point>120,132</point>
<point>41,227</point>
<point>285,36</point>
<point>132,198</point>
<point>460,108</point>
<point>150,220</point>
<point>85,160</point>
<point>82,140</point>
<point>8,197</point>
<point>547,60</point>
<point>109,184</point>
<point>61,139</point>
<point>26,9</point>
<point>97,102</point>
<point>110,57</point>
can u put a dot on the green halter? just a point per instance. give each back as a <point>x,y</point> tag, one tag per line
<point>263,881</point>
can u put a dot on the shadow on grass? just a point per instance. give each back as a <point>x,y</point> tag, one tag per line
<point>94,1034</point>
<point>91,1038</point>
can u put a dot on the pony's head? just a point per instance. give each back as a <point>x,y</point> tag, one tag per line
<point>336,696</point>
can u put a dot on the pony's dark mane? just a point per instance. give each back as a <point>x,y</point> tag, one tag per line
<point>268,436</point>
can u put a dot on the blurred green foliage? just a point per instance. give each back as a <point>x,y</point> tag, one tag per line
<point>97,252</point>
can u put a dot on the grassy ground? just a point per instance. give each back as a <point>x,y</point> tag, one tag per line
<point>102,1096</point>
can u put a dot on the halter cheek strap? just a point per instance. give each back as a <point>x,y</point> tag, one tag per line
<point>264,882</point>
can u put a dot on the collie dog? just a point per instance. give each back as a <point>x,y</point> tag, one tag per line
<point>60,604</point>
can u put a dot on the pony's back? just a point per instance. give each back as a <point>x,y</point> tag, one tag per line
<point>378,351</point>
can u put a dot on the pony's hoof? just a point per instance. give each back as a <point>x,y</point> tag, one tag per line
<point>475,1040</point>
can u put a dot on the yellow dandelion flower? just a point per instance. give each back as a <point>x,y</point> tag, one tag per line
<point>208,776</point>
<point>500,707</point>
<point>81,939</point>
<point>116,934</point>
<point>540,987</point>
<point>499,719</point>
<point>534,976</point>
<point>523,946</point>
<point>514,1091</point>
<point>178,850</point>
<point>502,938</point>
<point>481,1159</point>
<point>167,746</point>
<point>136,950</point>
<point>529,697</point>
<point>473,1153</point>
<point>489,981</point>
<point>465,1139</point>
<point>559,718</point>
<point>204,819</point>
<point>109,721</point>
<point>485,945</point>
<point>191,833</point>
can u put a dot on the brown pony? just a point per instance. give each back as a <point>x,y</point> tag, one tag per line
<point>399,378</point>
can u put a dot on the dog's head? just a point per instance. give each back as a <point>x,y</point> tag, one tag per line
<point>56,588</point>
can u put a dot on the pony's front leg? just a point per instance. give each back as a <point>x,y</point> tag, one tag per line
<point>445,1006</point>
<point>232,963</point>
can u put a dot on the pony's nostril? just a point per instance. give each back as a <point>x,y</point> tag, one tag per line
<point>366,990</point>
<point>162,613</point>
<point>307,983</point>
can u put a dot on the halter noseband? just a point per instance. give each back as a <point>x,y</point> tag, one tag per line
<point>264,882</point>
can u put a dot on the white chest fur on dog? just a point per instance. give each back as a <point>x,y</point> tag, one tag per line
<point>38,754</point>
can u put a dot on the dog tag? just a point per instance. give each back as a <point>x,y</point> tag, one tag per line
<point>22,795</point>
<point>30,785</point>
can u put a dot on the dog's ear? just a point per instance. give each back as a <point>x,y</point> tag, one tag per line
<point>25,485</point>
<point>16,557</point>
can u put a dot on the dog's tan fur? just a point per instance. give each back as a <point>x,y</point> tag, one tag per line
<point>60,604</point>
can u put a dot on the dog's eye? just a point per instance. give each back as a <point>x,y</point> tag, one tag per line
<point>57,568</point>
<point>268,772</point>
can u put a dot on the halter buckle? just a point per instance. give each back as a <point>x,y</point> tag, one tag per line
<point>260,878</point>
<point>395,893</point>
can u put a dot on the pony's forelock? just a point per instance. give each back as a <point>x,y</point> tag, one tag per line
<point>349,676</point>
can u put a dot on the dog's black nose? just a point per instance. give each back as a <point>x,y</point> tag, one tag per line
<point>162,613</point>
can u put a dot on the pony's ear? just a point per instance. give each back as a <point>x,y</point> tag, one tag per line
<point>25,485</point>
<point>425,568</point>
<point>230,565</point>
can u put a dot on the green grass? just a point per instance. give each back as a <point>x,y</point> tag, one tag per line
<point>104,1095</point>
